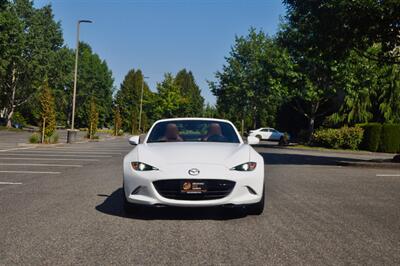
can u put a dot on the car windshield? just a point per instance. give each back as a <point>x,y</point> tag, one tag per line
<point>193,131</point>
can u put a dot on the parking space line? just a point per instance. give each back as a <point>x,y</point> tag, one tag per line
<point>387,175</point>
<point>10,183</point>
<point>49,159</point>
<point>57,155</point>
<point>93,149</point>
<point>16,149</point>
<point>70,152</point>
<point>41,164</point>
<point>30,172</point>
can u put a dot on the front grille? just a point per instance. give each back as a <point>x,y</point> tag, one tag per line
<point>215,189</point>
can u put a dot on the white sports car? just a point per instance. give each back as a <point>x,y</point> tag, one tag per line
<point>267,133</point>
<point>194,162</point>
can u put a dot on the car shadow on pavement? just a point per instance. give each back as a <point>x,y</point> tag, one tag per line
<point>273,158</point>
<point>113,205</point>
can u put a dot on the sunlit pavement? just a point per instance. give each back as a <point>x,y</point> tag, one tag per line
<point>62,205</point>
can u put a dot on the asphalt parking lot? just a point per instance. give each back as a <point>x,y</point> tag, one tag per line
<point>61,206</point>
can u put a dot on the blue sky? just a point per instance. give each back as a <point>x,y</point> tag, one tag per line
<point>161,36</point>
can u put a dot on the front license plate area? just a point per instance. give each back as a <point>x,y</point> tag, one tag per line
<point>193,187</point>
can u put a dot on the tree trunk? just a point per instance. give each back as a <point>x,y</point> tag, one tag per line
<point>12,101</point>
<point>311,125</point>
<point>9,117</point>
<point>311,117</point>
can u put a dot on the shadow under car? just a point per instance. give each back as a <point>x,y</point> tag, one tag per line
<point>113,205</point>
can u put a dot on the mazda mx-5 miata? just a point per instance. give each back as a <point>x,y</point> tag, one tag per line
<point>193,162</point>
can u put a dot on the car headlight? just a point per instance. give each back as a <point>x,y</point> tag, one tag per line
<point>249,166</point>
<point>139,166</point>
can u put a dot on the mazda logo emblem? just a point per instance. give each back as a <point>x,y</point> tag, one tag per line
<point>194,171</point>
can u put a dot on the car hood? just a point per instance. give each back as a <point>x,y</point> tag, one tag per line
<point>226,154</point>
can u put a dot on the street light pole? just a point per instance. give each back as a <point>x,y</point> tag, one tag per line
<point>71,133</point>
<point>141,104</point>
<point>76,70</point>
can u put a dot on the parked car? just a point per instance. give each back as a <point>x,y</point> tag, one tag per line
<point>194,162</point>
<point>267,133</point>
<point>3,123</point>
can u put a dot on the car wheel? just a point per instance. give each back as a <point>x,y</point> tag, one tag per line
<point>257,208</point>
<point>283,141</point>
<point>259,137</point>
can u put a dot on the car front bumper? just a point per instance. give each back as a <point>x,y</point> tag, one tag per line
<point>140,189</point>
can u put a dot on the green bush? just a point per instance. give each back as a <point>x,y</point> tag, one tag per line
<point>54,138</point>
<point>342,138</point>
<point>19,119</point>
<point>390,138</point>
<point>328,138</point>
<point>352,137</point>
<point>372,136</point>
<point>34,138</point>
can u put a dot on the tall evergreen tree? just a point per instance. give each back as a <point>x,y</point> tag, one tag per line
<point>128,99</point>
<point>94,80</point>
<point>117,121</point>
<point>170,101</point>
<point>190,90</point>
<point>47,114</point>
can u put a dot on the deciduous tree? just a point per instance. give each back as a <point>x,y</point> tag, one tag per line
<point>336,27</point>
<point>254,81</point>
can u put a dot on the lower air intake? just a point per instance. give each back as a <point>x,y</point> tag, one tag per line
<point>194,189</point>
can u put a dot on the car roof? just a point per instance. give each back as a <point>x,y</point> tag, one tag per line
<point>192,118</point>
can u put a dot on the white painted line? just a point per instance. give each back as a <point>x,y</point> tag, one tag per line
<point>16,149</point>
<point>10,183</point>
<point>387,174</point>
<point>41,164</point>
<point>93,148</point>
<point>49,159</point>
<point>30,172</point>
<point>56,155</point>
<point>70,152</point>
<point>116,151</point>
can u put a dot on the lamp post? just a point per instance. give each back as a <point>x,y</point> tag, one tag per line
<point>141,105</point>
<point>72,133</point>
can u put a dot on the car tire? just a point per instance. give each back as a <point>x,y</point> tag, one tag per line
<point>257,208</point>
<point>282,141</point>
<point>259,137</point>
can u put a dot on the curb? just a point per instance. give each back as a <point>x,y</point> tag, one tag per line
<point>29,145</point>
<point>360,152</point>
<point>367,164</point>
<point>34,145</point>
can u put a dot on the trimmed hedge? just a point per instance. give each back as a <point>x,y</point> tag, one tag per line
<point>372,136</point>
<point>344,138</point>
<point>390,138</point>
<point>381,137</point>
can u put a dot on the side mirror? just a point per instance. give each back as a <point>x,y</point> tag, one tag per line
<point>134,140</point>
<point>251,140</point>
